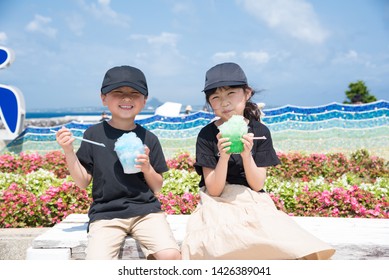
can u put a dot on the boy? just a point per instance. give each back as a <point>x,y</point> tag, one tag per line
<point>123,204</point>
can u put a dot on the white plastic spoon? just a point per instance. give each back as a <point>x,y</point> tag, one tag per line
<point>85,140</point>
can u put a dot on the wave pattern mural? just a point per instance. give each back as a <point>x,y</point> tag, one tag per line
<point>330,128</point>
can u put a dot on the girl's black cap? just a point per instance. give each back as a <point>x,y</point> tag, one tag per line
<point>224,74</point>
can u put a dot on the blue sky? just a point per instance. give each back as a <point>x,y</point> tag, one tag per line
<point>298,52</point>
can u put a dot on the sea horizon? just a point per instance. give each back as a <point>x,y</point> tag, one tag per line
<point>60,114</point>
<point>43,113</point>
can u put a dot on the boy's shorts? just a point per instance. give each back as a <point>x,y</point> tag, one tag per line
<point>152,231</point>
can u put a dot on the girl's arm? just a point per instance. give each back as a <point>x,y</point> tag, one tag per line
<point>215,179</point>
<point>78,172</point>
<point>255,175</point>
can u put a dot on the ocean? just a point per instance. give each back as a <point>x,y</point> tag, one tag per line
<point>59,113</point>
<point>87,111</point>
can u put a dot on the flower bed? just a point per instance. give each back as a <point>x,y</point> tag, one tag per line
<point>37,191</point>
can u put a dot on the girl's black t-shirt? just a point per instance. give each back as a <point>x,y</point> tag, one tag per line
<point>116,194</point>
<point>207,154</point>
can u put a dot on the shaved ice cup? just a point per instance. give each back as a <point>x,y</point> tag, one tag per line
<point>128,147</point>
<point>234,129</point>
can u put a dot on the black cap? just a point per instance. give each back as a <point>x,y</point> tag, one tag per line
<point>224,74</point>
<point>124,76</point>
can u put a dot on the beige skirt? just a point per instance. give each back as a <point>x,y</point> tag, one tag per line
<point>243,224</point>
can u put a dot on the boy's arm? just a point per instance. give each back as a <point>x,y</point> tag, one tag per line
<point>153,179</point>
<point>78,172</point>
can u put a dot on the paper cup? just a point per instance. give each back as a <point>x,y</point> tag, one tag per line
<point>128,161</point>
<point>234,129</point>
<point>128,147</point>
<point>236,146</point>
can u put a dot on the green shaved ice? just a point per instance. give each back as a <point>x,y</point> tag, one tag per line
<point>234,129</point>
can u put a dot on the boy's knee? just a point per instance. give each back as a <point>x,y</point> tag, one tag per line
<point>168,254</point>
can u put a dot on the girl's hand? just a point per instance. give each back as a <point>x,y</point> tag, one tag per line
<point>65,139</point>
<point>223,145</point>
<point>143,161</point>
<point>248,143</point>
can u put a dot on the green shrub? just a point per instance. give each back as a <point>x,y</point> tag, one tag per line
<point>21,208</point>
<point>298,166</point>
<point>179,182</point>
<point>38,191</point>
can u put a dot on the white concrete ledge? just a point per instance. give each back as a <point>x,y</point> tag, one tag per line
<point>48,254</point>
<point>353,238</point>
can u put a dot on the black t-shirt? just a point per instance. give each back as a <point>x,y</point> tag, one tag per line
<point>207,154</point>
<point>116,194</point>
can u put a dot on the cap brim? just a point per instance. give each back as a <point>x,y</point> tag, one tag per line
<point>109,88</point>
<point>224,84</point>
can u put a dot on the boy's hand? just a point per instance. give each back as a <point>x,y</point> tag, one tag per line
<point>153,179</point>
<point>65,139</point>
<point>143,161</point>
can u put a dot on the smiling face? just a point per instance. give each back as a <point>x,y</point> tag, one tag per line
<point>227,101</point>
<point>124,103</point>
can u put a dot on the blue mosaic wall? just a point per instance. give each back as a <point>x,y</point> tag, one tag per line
<point>330,128</point>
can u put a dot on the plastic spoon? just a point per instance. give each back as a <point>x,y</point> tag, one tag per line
<point>85,140</point>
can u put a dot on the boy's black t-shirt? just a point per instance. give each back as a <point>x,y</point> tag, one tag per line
<point>207,153</point>
<point>116,194</point>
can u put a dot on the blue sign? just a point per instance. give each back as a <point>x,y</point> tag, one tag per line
<point>6,57</point>
<point>12,111</point>
<point>12,107</point>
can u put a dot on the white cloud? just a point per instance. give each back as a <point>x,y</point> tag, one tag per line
<point>223,56</point>
<point>353,57</point>
<point>180,7</point>
<point>103,11</point>
<point>3,37</point>
<point>294,17</point>
<point>164,39</point>
<point>76,24</point>
<point>160,55</point>
<point>349,56</point>
<point>41,24</point>
<point>260,57</point>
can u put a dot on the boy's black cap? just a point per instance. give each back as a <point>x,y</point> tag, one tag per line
<point>120,76</point>
<point>224,74</point>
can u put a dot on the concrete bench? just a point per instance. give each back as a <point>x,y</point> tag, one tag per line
<point>353,238</point>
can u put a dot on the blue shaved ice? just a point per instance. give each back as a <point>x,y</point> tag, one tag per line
<point>128,147</point>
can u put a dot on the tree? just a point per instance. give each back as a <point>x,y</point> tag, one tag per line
<point>358,93</point>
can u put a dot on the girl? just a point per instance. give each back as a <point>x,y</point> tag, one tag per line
<point>236,219</point>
